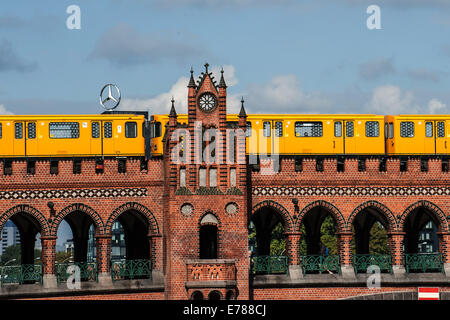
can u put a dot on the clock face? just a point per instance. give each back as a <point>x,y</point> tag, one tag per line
<point>207,102</point>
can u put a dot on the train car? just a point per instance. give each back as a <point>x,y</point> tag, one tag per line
<point>294,134</point>
<point>72,135</point>
<point>418,134</point>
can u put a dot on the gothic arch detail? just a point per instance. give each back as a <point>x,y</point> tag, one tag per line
<point>381,208</point>
<point>153,224</point>
<point>30,211</point>
<point>78,207</point>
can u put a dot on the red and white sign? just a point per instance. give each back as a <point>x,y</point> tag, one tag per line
<point>428,294</point>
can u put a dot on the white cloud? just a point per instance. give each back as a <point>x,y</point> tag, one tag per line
<point>4,111</point>
<point>389,99</point>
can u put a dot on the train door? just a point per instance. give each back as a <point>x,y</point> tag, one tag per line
<point>96,138</point>
<point>107,133</point>
<point>277,137</point>
<point>441,138</point>
<point>349,138</point>
<point>31,140</point>
<point>429,142</point>
<point>338,137</point>
<point>265,141</point>
<point>19,139</point>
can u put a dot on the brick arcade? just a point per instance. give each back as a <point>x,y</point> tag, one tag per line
<point>190,220</point>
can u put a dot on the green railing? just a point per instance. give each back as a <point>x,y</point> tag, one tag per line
<point>424,262</point>
<point>362,261</point>
<point>21,274</point>
<point>270,264</point>
<point>88,271</point>
<point>131,269</point>
<point>320,263</point>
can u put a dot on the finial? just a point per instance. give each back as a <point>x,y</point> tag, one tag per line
<point>242,113</point>
<point>206,67</point>
<point>222,83</point>
<point>173,113</point>
<point>191,80</point>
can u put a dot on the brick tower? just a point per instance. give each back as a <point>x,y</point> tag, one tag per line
<point>206,235</point>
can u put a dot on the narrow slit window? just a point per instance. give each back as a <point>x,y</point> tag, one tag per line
<point>278,129</point>
<point>338,129</point>
<point>18,130</point>
<point>349,128</point>
<point>429,129</point>
<point>32,130</point>
<point>440,129</point>
<point>107,130</point>
<point>266,129</point>
<point>95,130</point>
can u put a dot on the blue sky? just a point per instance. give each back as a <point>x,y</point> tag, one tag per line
<point>284,56</point>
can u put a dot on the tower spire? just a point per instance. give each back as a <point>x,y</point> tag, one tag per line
<point>172,113</point>
<point>222,83</point>
<point>192,81</point>
<point>242,113</point>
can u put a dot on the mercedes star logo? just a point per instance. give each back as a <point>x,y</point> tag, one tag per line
<point>112,100</point>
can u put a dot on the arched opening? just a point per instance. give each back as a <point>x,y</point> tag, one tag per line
<point>421,243</point>
<point>370,241</point>
<point>214,295</point>
<point>20,252</point>
<point>75,234</point>
<point>230,295</point>
<point>267,242</point>
<point>319,244</point>
<point>208,237</point>
<point>197,295</point>
<point>130,247</point>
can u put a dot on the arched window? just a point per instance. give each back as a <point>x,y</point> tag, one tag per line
<point>208,237</point>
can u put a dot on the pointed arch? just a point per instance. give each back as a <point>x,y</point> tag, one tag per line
<point>438,214</point>
<point>33,212</point>
<point>378,206</point>
<point>99,225</point>
<point>288,222</point>
<point>334,211</point>
<point>152,223</point>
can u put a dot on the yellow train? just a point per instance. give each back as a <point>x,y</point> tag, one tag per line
<point>72,135</point>
<point>130,134</point>
<point>299,134</point>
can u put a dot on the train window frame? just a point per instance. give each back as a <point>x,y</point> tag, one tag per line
<point>338,126</point>
<point>107,132</point>
<point>31,128</point>
<point>429,125</point>
<point>1,130</point>
<point>347,123</point>
<point>313,124</point>
<point>18,133</point>
<point>267,131</point>
<point>157,129</point>
<point>72,130</point>
<point>403,127</point>
<point>248,129</point>
<point>376,129</point>
<point>97,130</point>
<point>127,129</point>
<point>391,130</point>
<point>440,129</point>
<point>278,129</point>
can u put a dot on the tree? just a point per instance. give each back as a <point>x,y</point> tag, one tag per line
<point>11,252</point>
<point>378,243</point>
<point>328,235</point>
<point>63,256</point>
<point>278,241</point>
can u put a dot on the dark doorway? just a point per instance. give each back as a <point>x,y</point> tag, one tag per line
<point>208,242</point>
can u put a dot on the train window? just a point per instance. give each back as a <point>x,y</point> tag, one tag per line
<point>31,130</point>
<point>18,126</point>
<point>1,130</point>
<point>349,128</point>
<point>407,129</point>
<point>107,128</point>
<point>372,129</point>
<point>391,130</point>
<point>440,129</point>
<point>308,129</point>
<point>248,131</point>
<point>157,131</point>
<point>338,129</point>
<point>95,130</point>
<point>64,130</point>
<point>278,129</point>
<point>266,129</point>
<point>130,129</point>
<point>386,130</point>
<point>429,129</point>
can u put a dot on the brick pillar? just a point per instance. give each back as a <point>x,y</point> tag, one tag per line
<point>397,257</point>
<point>48,261</point>
<point>103,257</point>
<point>345,254</point>
<point>444,248</point>
<point>293,253</point>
